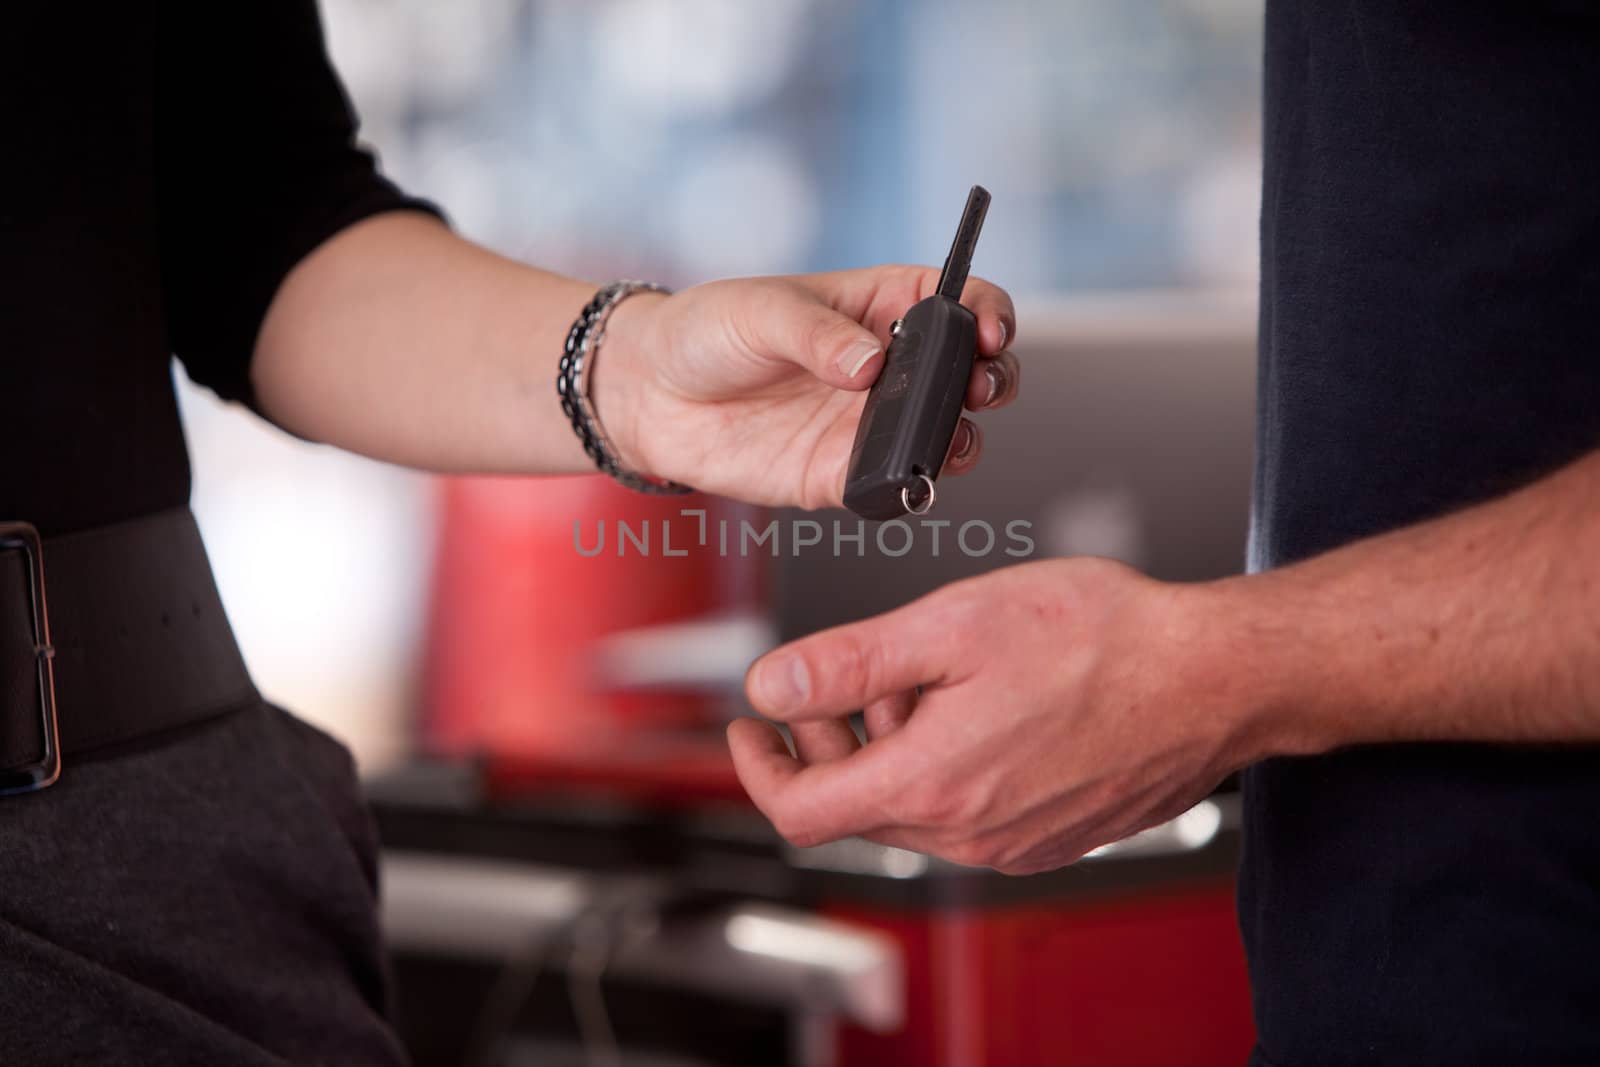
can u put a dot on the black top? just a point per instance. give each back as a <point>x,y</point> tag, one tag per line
<point>1430,337</point>
<point>206,895</point>
<point>165,165</point>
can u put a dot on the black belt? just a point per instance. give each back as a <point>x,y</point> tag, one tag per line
<point>107,635</point>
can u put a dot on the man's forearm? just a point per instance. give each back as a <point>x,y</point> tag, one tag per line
<point>401,341</point>
<point>1483,625</point>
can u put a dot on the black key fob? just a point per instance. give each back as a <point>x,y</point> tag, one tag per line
<point>914,406</point>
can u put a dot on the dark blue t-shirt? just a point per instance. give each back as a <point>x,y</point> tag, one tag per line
<point>1430,338</point>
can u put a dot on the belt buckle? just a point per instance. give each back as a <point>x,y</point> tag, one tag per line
<point>21,537</point>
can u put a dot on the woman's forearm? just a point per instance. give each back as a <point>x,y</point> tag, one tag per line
<point>401,341</point>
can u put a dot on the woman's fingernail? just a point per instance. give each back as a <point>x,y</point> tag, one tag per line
<point>1005,334</point>
<point>964,439</point>
<point>784,682</point>
<point>996,378</point>
<point>857,356</point>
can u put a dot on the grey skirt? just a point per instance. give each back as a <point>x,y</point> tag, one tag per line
<point>205,896</point>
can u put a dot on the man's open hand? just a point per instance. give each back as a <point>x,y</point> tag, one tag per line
<point>1063,704</point>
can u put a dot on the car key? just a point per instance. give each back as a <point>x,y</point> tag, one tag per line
<point>914,406</point>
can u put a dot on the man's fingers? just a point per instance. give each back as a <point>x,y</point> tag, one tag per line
<point>884,716</point>
<point>821,742</point>
<point>837,671</point>
<point>810,805</point>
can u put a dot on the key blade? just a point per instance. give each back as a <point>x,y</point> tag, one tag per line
<point>959,262</point>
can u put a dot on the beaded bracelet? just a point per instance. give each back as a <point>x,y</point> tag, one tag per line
<point>572,385</point>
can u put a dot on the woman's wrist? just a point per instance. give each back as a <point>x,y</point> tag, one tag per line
<point>618,378</point>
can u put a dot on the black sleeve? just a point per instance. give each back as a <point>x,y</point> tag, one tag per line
<point>257,164</point>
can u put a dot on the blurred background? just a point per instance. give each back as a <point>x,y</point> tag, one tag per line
<point>524,712</point>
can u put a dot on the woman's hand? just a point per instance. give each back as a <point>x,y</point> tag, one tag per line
<point>752,388</point>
